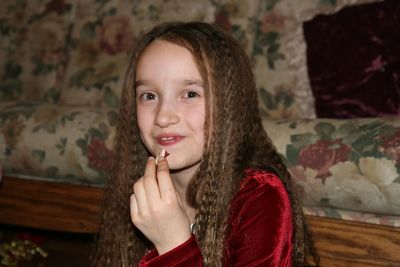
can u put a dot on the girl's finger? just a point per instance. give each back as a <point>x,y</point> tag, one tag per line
<point>150,182</point>
<point>140,195</point>
<point>164,179</point>
<point>150,167</point>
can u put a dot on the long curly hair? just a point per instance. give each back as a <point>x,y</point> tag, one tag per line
<point>235,140</point>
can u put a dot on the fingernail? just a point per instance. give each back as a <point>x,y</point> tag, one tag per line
<point>161,156</point>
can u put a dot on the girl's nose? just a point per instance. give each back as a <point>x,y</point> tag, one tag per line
<point>166,115</point>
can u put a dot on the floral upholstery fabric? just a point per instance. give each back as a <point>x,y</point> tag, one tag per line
<point>344,164</point>
<point>62,143</point>
<point>32,49</point>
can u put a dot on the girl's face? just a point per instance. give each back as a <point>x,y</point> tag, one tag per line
<point>170,103</point>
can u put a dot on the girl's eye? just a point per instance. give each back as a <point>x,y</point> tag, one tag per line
<point>191,94</point>
<point>147,97</point>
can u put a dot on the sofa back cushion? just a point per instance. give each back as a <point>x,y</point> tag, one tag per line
<point>32,49</point>
<point>104,34</point>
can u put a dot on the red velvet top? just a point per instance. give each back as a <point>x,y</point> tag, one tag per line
<point>261,229</point>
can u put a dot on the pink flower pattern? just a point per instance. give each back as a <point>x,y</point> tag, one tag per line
<point>99,156</point>
<point>322,155</point>
<point>391,146</point>
<point>116,35</point>
<point>272,21</point>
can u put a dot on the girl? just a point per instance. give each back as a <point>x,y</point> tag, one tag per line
<point>222,197</point>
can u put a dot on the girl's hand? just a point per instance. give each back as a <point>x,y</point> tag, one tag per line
<point>156,209</point>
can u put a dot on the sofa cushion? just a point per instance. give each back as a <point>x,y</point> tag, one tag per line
<point>32,55</point>
<point>355,68</point>
<point>344,164</point>
<point>104,33</point>
<point>58,143</point>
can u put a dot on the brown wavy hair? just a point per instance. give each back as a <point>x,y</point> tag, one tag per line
<point>236,140</point>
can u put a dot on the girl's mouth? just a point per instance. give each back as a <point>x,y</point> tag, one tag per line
<point>168,140</point>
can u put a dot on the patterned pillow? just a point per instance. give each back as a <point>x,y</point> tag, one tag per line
<point>353,61</point>
<point>32,42</point>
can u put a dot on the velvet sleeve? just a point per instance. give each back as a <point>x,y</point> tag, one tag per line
<point>261,224</point>
<point>185,255</point>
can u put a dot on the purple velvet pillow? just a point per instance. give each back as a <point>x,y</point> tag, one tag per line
<point>353,60</point>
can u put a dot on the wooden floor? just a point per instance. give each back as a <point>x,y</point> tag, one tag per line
<point>71,212</point>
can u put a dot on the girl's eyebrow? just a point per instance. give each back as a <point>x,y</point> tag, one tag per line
<point>142,82</point>
<point>184,82</point>
<point>193,82</point>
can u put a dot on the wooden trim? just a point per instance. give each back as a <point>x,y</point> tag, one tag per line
<point>50,205</point>
<point>348,243</point>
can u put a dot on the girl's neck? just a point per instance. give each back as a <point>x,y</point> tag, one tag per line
<point>181,179</point>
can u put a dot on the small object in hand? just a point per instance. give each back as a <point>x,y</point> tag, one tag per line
<point>164,153</point>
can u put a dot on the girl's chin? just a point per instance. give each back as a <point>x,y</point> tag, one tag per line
<point>181,166</point>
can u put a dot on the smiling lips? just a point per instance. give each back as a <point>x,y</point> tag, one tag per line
<point>169,139</point>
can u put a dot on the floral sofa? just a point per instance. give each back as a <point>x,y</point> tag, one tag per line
<point>62,64</point>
